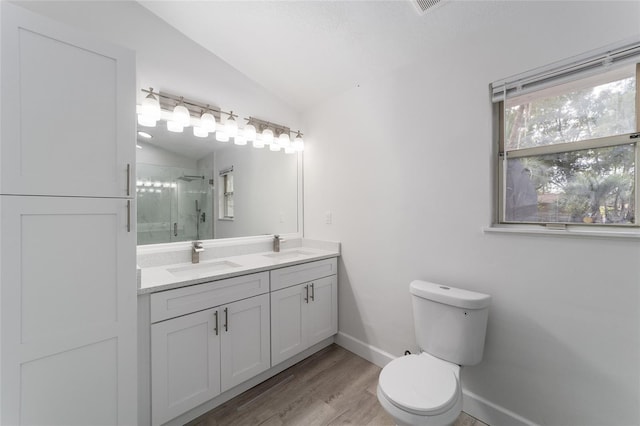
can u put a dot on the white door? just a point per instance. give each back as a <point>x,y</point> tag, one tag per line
<point>245,347</point>
<point>67,110</point>
<point>322,309</point>
<point>288,322</point>
<point>185,363</point>
<point>68,311</point>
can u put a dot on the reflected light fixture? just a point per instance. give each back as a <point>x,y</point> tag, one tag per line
<point>258,142</point>
<point>240,138</point>
<point>150,108</point>
<point>172,126</point>
<point>200,132</point>
<point>144,135</point>
<point>146,121</point>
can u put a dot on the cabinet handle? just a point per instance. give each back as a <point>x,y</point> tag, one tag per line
<point>128,180</point>
<point>175,229</point>
<point>128,215</point>
<point>306,297</point>
<point>313,293</point>
<point>226,319</point>
<point>215,314</point>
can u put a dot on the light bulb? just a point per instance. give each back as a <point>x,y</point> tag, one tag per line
<point>222,136</point>
<point>231,127</point>
<point>208,122</point>
<point>250,132</point>
<point>200,132</point>
<point>151,107</point>
<point>146,121</point>
<point>240,139</point>
<point>172,126</point>
<point>267,136</point>
<point>298,143</point>
<point>284,141</point>
<point>181,115</point>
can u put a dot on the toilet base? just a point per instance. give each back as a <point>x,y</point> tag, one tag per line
<point>405,418</point>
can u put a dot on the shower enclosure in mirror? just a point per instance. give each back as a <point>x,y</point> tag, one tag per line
<point>185,190</point>
<point>174,204</point>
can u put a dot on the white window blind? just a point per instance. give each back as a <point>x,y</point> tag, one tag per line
<point>579,67</point>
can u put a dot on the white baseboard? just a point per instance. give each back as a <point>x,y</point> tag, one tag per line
<point>364,350</point>
<point>472,404</point>
<point>490,413</point>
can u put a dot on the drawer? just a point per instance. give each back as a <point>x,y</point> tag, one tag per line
<point>292,275</point>
<point>182,301</point>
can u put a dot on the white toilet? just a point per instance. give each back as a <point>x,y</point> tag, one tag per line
<point>450,326</point>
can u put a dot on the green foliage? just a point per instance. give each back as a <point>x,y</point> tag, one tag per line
<point>590,186</point>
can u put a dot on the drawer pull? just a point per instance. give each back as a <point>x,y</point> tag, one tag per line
<point>313,293</point>
<point>306,297</point>
<point>215,314</point>
<point>226,319</point>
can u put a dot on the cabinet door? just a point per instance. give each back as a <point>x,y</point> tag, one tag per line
<point>67,110</point>
<point>245,340</point>
<point>288,322</point>
<point>68,311</point>
<point>185,364</point>
<point>322,309</point>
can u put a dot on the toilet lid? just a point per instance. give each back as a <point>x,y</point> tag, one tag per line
<point>419,384</point>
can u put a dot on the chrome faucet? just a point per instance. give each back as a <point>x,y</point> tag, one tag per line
<point>277,239</point>
<point>196,249</point>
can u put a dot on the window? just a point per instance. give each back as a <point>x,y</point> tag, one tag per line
<point>225,194</point>
<point>568,141</point>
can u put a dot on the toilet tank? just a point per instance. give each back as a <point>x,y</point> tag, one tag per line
<point>450,323</point>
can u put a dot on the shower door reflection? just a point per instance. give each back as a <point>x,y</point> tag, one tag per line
<point>174,204</point>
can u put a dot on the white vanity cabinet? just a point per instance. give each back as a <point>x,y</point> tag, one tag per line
<point>67,220</point>
<point>198,355</point>
<point>304,307</point>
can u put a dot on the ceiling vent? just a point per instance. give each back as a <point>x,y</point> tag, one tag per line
<point>424,6</point>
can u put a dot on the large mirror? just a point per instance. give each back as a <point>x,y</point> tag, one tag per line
<point>192,188</point>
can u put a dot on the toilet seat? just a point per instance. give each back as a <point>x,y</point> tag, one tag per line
<point>420,384</point>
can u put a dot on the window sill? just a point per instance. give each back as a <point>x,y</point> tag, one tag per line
<point>571,232</point>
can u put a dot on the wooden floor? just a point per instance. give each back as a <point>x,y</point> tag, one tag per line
<point>331,387</point>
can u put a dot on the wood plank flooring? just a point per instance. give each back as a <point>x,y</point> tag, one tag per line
<point>331,387</point>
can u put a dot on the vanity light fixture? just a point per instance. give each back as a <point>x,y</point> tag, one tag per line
<point>208,120</point>
<point>250,131</point>
<point>181,114</point>
<point>231,126</point>
<point>298,142</point>
<point>150,109</point>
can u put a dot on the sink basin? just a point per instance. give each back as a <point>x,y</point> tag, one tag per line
<point>202,269</point>
<point>290,254</point>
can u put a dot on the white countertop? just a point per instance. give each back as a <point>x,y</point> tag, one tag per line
<point>160,278</point>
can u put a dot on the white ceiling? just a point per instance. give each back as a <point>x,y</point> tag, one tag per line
<point>303,51</point>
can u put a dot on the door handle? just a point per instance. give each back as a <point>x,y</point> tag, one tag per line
<point>128,180</point>
<point>128,215</point>
<point>306,297</point>
<point>313,293</point>
<point>226,319</point>
<point>215,314</point>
